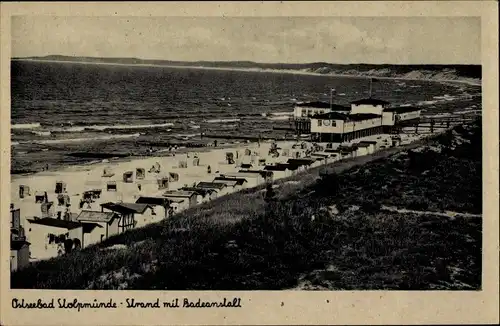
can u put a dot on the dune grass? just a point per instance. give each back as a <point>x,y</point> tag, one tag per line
<point>242,242</point>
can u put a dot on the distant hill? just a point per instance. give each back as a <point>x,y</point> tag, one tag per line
<point>471,73</point>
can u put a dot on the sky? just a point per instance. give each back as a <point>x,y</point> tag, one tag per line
<point>393,40</point>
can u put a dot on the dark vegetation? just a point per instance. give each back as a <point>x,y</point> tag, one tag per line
<point>469,71</point>
<point>289,236</point>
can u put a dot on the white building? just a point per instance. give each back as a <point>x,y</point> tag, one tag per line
<point>338,127</point>
<point>368,105</point>
<point>309,109</point>
<point>106,224</point>
<point>46,234</point>
<point>364,118</point>
<point>397,117</point>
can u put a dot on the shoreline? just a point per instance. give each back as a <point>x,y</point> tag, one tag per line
<point>92,163</point>
<point>283,71</point>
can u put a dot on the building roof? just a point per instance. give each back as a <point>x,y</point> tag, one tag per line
<point>261,172</point>
<point>346,117</point>
<point>210,185</point>
<point>238,178</point>
<point>298,161</point>
<point>227,182</point>
<point>200,191</point>
<point>370,100</point>
<point>325,154</point>
<point>178,193</point>
<point>95,216</point>
<point>160,201</point>
<point>279,167</point>
<point>402,109</point>
<point>324,105</point>
<point>138,208</point>
<point>363,116</point>
<point>18,244</point>
<point>56,223</point>
<point>331,116</point>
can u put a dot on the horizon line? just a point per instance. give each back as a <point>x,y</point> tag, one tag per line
<point>250,61</point>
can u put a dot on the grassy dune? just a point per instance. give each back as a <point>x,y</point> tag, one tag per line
<point>320,233</point>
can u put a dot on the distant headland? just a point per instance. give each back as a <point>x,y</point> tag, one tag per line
<point>463,73</point>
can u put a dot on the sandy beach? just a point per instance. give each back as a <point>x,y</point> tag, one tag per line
<point>81,178</point>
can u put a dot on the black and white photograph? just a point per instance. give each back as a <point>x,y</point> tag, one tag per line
<point>244,153</point>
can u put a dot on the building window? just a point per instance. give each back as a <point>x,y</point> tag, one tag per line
<point>320,123</point>
<point>334,123</point>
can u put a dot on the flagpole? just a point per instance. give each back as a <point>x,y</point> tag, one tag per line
<point>331,99</point>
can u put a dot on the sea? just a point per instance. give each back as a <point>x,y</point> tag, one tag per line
<point>62,109</point>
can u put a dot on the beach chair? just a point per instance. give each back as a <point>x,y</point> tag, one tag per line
<point>155,168</point>
<point>173,177</point>
<point>60,187</point>
<point>63,200</point>
<point>24,191</point>
<point>182,164</point>
<point>107,173</point>
<point>111,186</point>
<point>128,177</point>
<point>41,197</point>
<point>230,158</point>
<point>196,162</point>
<point>47,209</point>
<point>248,152</point>
<point>163,183</point>
<point>140,173</point>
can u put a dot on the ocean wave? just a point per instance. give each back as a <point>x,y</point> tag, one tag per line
<point>108,127</point>
<point>467,111</point>
<point>282,113</point>
<point>185,136</point>
<point>445,97</point>
<point>279,118</point>
<point>41,133</point>
<point>427,102</point>
<point>25,125</point>
<point>221,120</point>
<point>80,140</point>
